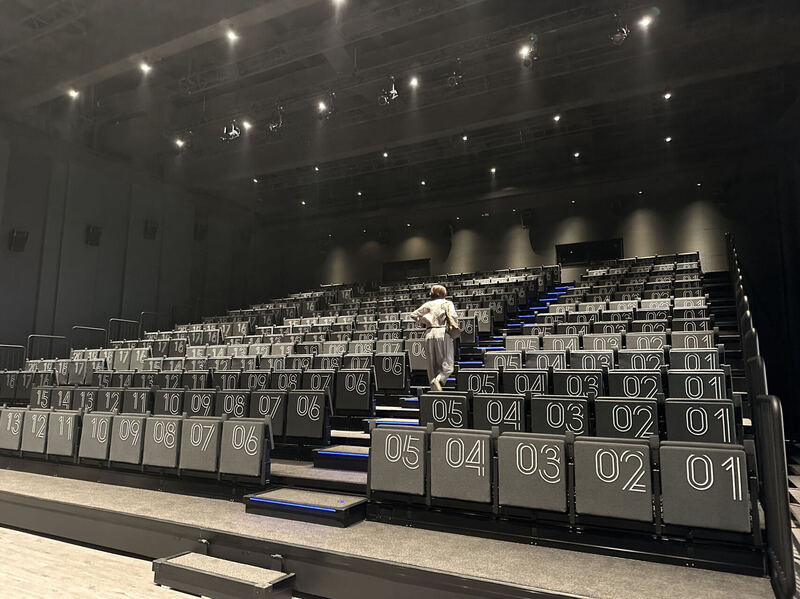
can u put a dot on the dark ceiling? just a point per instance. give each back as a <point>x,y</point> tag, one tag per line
<point>730,65</point>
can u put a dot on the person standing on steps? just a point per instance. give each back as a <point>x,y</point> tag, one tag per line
<point>436,315</point>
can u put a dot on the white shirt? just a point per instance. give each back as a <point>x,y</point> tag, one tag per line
<point>435,312</point>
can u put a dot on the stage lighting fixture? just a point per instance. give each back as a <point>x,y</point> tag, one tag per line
<point>455,77</point>
<point>645,21</point>
<point>385,154</point>
<point>231,35</point>
<point>621,32</point>
<point>389,93</point>
<point>576,155</point>
<point>144,67</point>
<point>303,202</point>
<point>408,224</point>
<point>180,143</point>
<point>73,93</point>
<point>464,137</point>
<point>255,180</point>
<point>316,169</point>
<point>699,184</point>
<point>668,139</point>
<point>422,183</point>
<point>572,201</point>
<point>358,194</point>
<point>641,192</point>
<point>668,95</point>
<point>556,118</point>
<point>493,170</point>
<point>414,82</point>
<point>326,107</point>
<point>231,132</point>
<point>276,120</point>
<point>530,51</point>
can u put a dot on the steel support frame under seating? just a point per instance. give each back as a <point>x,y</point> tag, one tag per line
<point>719,551</point>
<point>318,572</point>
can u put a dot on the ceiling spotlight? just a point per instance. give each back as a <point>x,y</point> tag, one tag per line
<point>641,191</point>
<point>231,132</point>
<point>385,154</point>
<point>576,154</point>
<point>231,35</point>
<point>456,75</point>
<point>414,82</point>
<point>358,194</point>
<point>572,201</point>
<point>73,93</point>
<point>255,180</point>
<point>645,21</point>
<point>316,169</point>
<point>327,107</point>
<point>247,125</point>
<point>303,202</point>
<point>667,139</point>
<point>180,143</point>
<point>422,183</point>
<point>621,32</point>
<point>458,218</point>
<point>699,184</point>
<point>464,137</point>
<point>408,224</point>
<point>144,67</point>
<point>530,52</point>
<point>667,95</point>
<point>556,118</point>
<point>363,230</point>
<point>493,170</point>
<point>485,214</point>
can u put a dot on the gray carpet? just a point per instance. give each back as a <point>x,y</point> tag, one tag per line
<point>570,572</point>
<point>307,470</point>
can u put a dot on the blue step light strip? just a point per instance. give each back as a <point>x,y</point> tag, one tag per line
<point>344,453</point>
<point>401,423</point>
<point>302,506</point>
<point>470,363</point>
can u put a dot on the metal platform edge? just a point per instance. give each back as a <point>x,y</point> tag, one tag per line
<point>318,572</point>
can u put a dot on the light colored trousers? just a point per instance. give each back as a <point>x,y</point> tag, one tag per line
<point>440,354</point>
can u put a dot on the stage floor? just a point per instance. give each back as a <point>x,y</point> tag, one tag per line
<point>516,565</point>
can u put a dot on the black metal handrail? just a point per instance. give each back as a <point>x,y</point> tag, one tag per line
<point>150,321</point>
<point>122,329</point>
<point>53,342</point>
<point>83,337</point>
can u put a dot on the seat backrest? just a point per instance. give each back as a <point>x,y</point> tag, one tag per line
<point>532,471</point>
<point>700,420</point>
<point>705,486</point>
<point>626,418</point>
<point>461,465</point>
<point>397,460</point>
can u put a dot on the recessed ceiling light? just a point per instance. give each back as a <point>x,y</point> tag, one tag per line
<point>321,106</point>
<point>464,137</point>
<point>408,224</point>
<point>458,218</point>
<point>385,154</point>
<point>641,191</point>
<point>180,143</point>
<point>316,169</point>
<point>144,67</point>
<point>255,180</point>
<point>667,139</point>
<point>303,202</point>
<point>231,35</point>
<point>363,230</point>
<point>413,82</point>
<point>358,194</point>
<point>572,201</point>
<point>513,210</point>
<point>645,21</point>
<point>247,125</point>
<point>668,95</point>
<point>330,235</point>
<point>73,93</point>
<point>699,184</point>
<point>524,51</point>
<point>556,117</point>
<point>493,170</point>
<point>422,182</point>
<point>576,154</point>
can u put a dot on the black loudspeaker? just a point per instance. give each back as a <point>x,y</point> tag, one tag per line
<point>150,229</point>
<point>93,233</point>
<point>17,240</point>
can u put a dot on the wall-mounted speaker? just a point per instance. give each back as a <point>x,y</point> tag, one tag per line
<point>150,229</point>
<point>93,234</point>
<point>17,240</point>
